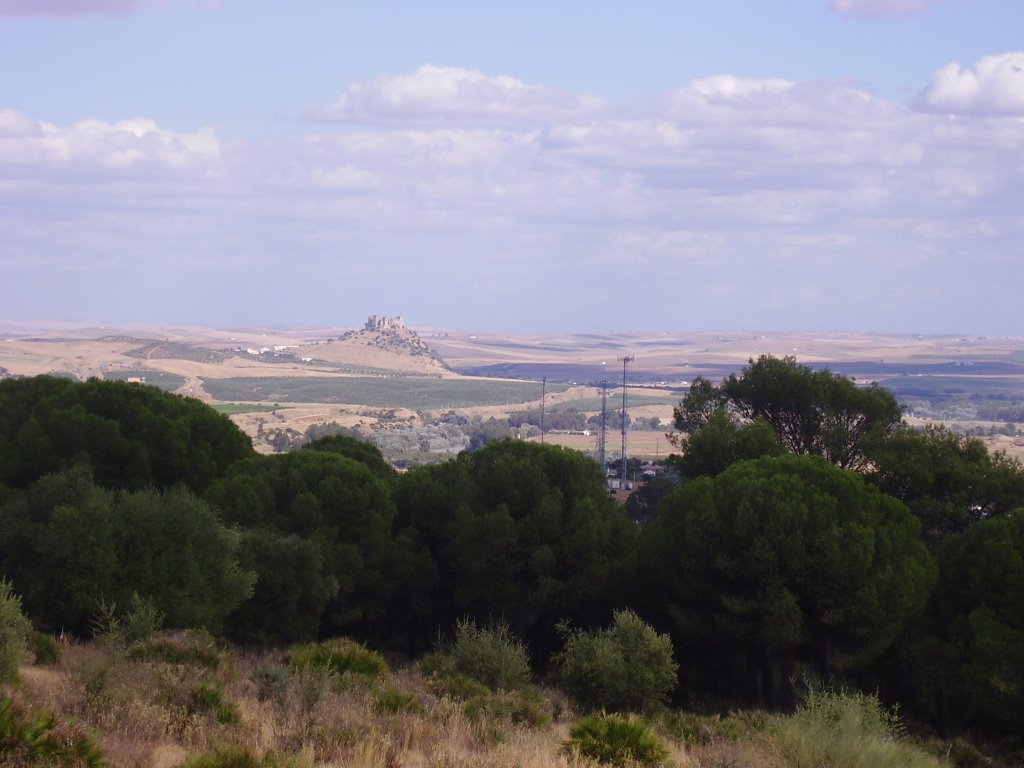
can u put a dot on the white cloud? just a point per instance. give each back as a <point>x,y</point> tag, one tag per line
<point>874,9</point>
<point>13,124</point>
<point>730,87</point>
<point>125,145</point>
<point>993,86</point>
<point>434,94</point>
<point>771,103</point>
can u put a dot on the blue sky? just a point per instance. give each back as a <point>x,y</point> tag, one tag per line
<point>574,166</point>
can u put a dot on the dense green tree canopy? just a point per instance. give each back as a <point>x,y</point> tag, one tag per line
<point>70,545</point>
<point>519,530</point>
<point>132,436</point>
<point>354,448</point>
<point>721,442</point>
<point>292,592</point>
<point>322,497</point>
<point>760,560</point>
<point>979,613</point>
<point>700,404</point>
<point>785,557</point>
<point>948,481</point>
<point>814,413</point>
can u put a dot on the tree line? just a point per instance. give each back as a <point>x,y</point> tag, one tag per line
<point>810,532</point>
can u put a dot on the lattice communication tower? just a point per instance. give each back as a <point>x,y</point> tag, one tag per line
<point>625,362</point>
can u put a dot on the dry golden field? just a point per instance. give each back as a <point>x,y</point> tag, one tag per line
<point>330,355</point>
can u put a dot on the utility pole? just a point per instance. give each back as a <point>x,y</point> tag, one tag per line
<point>625,361</point>
<point>543,394</point>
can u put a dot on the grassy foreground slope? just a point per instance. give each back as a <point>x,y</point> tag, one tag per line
<point>186,700</point>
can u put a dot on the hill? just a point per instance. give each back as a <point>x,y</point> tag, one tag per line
<point>383,344</point>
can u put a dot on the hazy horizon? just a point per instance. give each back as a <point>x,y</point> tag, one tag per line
<point>37,325</point>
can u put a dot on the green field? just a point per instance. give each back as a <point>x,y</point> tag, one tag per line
<point>231,408</point>
<point>416,393</point>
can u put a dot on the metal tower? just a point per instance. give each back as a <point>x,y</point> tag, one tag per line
<point>543,393</point>
<point>625,361</point>
<point>602,436</point>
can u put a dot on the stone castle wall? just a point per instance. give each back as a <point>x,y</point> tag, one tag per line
<point>380,323</point>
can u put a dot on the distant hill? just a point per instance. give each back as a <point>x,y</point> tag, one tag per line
<point>384,344</point>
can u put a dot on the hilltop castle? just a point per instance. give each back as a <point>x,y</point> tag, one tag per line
<point>378,323</point>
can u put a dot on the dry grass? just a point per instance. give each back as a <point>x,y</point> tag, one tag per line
<point>142,711</point>
<point>146,714</point>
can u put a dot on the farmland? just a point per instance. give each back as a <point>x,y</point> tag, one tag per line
<point>415,393</point>
<point>400,380</point>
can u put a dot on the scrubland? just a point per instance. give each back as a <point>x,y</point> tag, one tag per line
<point>186,699</point>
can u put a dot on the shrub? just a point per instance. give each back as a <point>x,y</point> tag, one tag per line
<point>186,647</point>
<point>45,649</point>
<point>142,619</point>
<point>311,683</point>
<point>392,701</point>
<point>15,631</point>
<point>37,740</point>
<point>694,730</point>
<point>123,628</point>
<point>270,680</point>
<point>458,686</point>
<point>490,654</point>
<point>232,756</point>
<point>849,729</point>
<point>340,655</point>
<point>204,698</point>
<point>616,740</point>
<point>627,666</point>
<point>523,707</point>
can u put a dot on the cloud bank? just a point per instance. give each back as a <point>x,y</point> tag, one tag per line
<point>127,145</point>
<point>437,94</point>
<point>726,203</point>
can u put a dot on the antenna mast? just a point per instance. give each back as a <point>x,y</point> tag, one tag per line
<point>625,361</point>
<point>602,439</point>
<point>543,394</point>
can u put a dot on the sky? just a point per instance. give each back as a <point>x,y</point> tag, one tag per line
<point>573,166</point>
